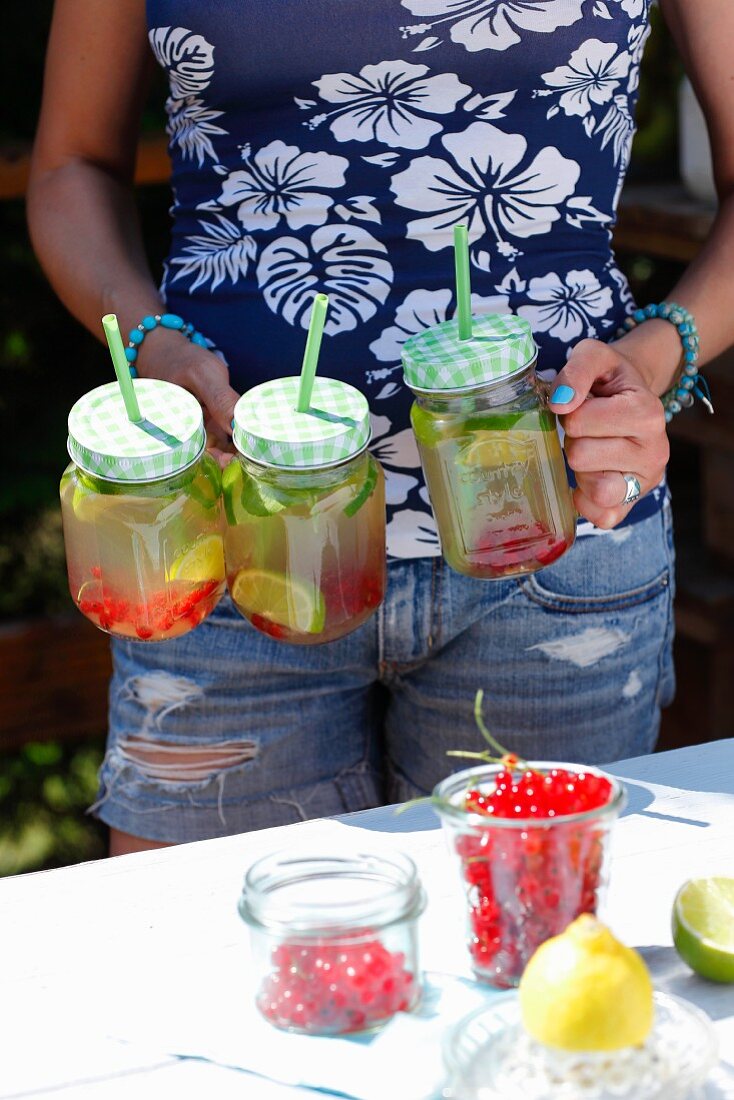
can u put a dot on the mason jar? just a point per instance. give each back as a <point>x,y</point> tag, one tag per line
<point>305,513</point>
<point>526,877</point>
<point>334,939</point>
<point>489,447</point>
<point>142,514</point>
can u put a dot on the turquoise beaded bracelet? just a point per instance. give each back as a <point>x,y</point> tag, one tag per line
<point>690,383</point>
<point>165,320</point>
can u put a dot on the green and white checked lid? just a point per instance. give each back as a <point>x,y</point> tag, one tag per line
<point>103,442</point>
<point>268,429</point>
<point>436,359</point>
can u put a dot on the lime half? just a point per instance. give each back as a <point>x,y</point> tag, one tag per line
<point>202,562</point>
<point>280,599</point>
<point>703,927</point>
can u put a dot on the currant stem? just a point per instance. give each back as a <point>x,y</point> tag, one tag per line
<point>478,718</point>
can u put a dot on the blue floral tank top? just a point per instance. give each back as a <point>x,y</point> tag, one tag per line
<point>332,145</point>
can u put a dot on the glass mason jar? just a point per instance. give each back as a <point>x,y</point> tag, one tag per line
<point>334,939</point>
<point>490,451</point>
<point>305,538</point>
<point>525,878</point>
<point>144,553</point>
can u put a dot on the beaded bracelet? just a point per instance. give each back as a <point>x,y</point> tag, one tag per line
<point>680,395</point>
<point>165,320</point>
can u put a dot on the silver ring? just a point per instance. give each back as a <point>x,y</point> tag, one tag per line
<point>633,489</point>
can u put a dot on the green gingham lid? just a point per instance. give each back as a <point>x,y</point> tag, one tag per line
<point>436,359</point>
<point>103,442</point>
<point>268,429</point>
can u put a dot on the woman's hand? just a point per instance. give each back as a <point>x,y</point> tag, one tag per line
<point>168,355</point>
<point>614,425</point>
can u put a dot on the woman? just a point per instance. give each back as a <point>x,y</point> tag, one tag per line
<point>331,145</point>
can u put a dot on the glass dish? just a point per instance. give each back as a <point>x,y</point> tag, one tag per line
<point>490,1056</point>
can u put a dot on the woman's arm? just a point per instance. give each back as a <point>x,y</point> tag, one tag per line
<point>81,208</point>
<point>624,431</point>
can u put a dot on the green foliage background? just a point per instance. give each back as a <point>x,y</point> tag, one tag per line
<point>45,788</point>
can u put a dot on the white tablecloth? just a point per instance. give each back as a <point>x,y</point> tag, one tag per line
<point>124,948</point>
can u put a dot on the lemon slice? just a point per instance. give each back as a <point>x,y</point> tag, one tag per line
<point>703,927</point>
<point>280,599</point>
<point>487,449</point>
<point>204,561</point>
<point>586,991</point>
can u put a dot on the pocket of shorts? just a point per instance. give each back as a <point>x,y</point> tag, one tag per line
<point>603,574</point>
<point>535,588</point>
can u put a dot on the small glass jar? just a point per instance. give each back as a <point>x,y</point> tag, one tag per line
<point>334,939</point>
<point>305,533</point>
<point>490,449</point>
<point>142,515</point>
<point>525,878</point>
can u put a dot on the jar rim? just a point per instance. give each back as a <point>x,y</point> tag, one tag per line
<point>134,481</point>
<point>399,895</point>
<point>459,782</point>
<point>305,469</point>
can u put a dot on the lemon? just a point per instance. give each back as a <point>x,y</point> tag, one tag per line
<point>204,561</point>
<point>280,599</point>
<point>586,991</point>
<point>703,927</point>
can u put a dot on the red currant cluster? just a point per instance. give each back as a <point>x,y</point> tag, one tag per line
<point>331,988</point>
<point>525,885</point>
<point>168,612</point>
<point>504,552</point>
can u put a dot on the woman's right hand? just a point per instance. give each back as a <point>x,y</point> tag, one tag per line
<point>169,355</point>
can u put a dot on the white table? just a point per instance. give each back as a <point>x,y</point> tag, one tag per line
<point>130,938</point>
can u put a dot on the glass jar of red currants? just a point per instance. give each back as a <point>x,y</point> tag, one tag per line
<point>334,939</point>
<point>532,843</point>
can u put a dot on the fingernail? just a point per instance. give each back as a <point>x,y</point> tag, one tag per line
<point>562,395</point>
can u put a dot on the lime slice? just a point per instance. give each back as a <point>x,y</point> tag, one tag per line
<point>703,927</point>
<point>232,493</point>
<point>204,561</point>
<point>280,599</point>
<point>206,490</point>
<point>364,493</point>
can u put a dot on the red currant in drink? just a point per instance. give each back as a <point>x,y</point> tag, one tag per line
<point>334,939</point>
<point>532,845</point>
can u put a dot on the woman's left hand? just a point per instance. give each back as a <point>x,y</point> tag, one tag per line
<point>614,425</point>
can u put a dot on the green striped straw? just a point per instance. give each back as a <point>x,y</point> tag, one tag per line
<point>311,354</point>
<point>463,281</point>
<point>122,367</point>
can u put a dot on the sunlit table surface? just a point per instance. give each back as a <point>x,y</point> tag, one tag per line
<point>85,949</point>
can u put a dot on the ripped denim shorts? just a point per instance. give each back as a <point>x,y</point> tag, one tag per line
<point>224,730</point>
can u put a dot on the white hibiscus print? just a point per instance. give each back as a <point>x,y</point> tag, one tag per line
<point>188,57</point>
<point>220,252</point>
<point>412,534</point>
<point>636,39</point>
<point>634,8</point>
<point>391,103</point>
<point>343,261</point>
<point>564,308</point>
<point>591,76</point>
<point>281,181</point>
<point>395,453</point>
<point>421,310</point>
<point>490,183</point>
<point>490,24</point>
<point>191,126</point>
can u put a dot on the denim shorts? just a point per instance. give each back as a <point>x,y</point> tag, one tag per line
<point>225,730</point>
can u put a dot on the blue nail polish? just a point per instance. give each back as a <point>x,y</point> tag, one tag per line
<point>562,395</point>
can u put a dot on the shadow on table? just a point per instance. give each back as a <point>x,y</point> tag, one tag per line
<point>414,818</point>
<point>671,975</point>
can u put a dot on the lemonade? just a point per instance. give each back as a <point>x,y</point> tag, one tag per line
<point>141,505</point>
<point>497,479</point>
<point>144,561</point>
<point>305,549</point>
<point>489,447</point>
